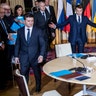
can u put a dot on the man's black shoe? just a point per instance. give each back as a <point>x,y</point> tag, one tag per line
<point>2,87</point>
<point>38,90</point>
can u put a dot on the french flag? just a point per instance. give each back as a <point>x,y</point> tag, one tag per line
<point>60,14</point>
<point>69,12</point>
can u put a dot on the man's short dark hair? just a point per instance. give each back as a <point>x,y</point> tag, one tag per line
<point>79,6</point>
<point>41,1</point>
<point>28,15</point>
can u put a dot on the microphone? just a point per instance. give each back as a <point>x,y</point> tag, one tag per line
<point>80,69</point>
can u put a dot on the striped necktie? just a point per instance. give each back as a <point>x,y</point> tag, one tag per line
<point>3,25</point>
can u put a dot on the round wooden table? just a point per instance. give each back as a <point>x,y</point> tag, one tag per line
<point>65,63</point>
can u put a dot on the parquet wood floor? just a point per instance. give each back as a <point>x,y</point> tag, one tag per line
<point>47,85</point>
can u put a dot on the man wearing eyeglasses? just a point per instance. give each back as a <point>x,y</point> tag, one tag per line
<point>9,20</point>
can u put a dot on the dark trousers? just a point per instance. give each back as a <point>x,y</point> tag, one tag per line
<point>3,68</point>
<point>77,47</point>
<point>37,73</point>
<point>10,54</point>
<point>45,35</point>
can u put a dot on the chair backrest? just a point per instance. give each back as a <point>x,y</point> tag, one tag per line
<point>63,49</point>
<point>21,82</point>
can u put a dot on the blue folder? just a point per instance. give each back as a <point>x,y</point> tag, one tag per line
<point>15,26</point>
<point>60,73</point>
<point>20,18</point>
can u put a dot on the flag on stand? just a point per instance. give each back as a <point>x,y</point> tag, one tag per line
<point>60,14</point>
<point>94,13</point>
<point>87,12</point>
<point>69,12</point>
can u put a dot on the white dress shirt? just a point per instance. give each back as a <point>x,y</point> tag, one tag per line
<point>78,19</point>
<point>26,31</point>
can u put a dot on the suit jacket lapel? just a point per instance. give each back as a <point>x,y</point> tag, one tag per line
<point>74,18</point>
<point>47,15</point>
<point>32,35</point>
<point>23,35</point>
<point>40,14</point>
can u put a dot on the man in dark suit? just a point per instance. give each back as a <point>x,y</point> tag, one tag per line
<point>9,20</point>
<point>51,11</point>
<point>3,64</point>
<point>30,49</point>
<point>41,21</point>
<point>77,34</point>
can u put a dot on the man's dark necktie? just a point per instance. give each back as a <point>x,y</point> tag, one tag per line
<point>78,19</point>
<point>43,14</point>
<point>4,27</point>
<point>28,35</point>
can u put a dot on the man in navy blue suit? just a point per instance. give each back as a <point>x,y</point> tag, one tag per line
<point>41,20</point>
<point>77,34</point>
<point>30,49</point>
<point>51,11</point>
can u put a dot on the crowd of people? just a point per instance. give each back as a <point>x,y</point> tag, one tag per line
<point>26,37</point>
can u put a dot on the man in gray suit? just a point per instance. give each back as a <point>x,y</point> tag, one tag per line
<point>30,49</point>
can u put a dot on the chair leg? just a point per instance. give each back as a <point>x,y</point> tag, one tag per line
<point>55,80</point>
<point>69,86</point>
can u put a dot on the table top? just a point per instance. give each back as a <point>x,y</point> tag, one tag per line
<point>65,63</point>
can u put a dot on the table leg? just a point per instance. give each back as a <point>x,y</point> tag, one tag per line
<point>84,90</point>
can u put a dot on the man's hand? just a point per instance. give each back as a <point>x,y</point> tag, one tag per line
<point>10,36</point>
<point>17,60</point>
<point>53,34</point>
<point>52,25</point>
<point>40,59</point>
<point>17,63</point>
<point>2,46</point>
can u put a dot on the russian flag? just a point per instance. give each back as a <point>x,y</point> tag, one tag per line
<point>94,14</point>
<point>69,12</point>
<point>60,14</point>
